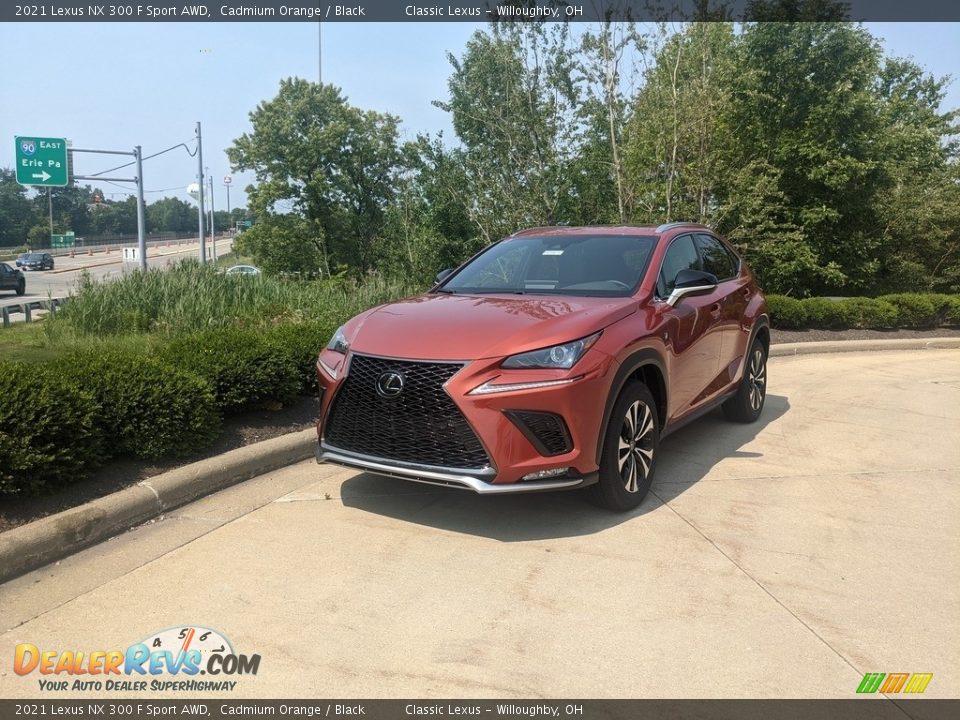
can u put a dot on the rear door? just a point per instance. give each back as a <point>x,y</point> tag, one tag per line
<point>8,278</point>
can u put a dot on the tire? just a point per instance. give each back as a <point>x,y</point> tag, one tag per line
<point>747,404</point>
<point>630,445</point>
<point>21,287</point>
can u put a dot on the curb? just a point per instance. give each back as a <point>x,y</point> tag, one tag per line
<point>43,541</point>
<point>839,346</point>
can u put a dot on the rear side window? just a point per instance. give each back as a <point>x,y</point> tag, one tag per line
<point>681,255</point>
<point>716,258</point>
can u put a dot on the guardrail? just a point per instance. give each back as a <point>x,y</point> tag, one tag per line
<point>27,308</point>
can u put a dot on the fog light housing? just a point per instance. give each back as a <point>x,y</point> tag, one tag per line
<point>544,474</point>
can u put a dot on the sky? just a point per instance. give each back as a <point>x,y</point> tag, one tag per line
<point>117,85</point>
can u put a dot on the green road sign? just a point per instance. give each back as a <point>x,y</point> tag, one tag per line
<point>67,240</point>
<point>41,161</point>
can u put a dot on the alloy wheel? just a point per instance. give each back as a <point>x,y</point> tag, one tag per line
<point>758,379</point>
<point>635,448</point>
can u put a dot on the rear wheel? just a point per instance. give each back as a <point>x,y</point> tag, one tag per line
<point>629,456</point>
<point>747,404</point>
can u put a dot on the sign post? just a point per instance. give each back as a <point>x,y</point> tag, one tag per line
<point>41,161</point>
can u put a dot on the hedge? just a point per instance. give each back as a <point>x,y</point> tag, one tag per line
<point>301,342</point>
<point>904,310</point>
<point>146,408</point>
<point>241,366</point>
<point>49,434</point>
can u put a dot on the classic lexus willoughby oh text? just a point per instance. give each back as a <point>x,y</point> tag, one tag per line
<point>556,358</point>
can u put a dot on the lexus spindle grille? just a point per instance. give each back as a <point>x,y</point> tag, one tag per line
<point>411,419</point>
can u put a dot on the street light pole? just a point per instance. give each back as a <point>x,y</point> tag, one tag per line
<point>203,235</point>
<point>213,224</point>
<point>141,221</point>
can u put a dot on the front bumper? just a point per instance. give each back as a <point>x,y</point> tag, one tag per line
<point>478,481</point>
<point>512,453</point>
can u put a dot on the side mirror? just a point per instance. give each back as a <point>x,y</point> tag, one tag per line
<point>691,282</point>
<point>444,274</point>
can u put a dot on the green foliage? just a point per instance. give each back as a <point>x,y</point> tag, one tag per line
<point>328,162</point>
<point>870,313</point>
<point>48,430</point>
<point>192,297</point>
<point>241,366</point>
<point>915,310</point>
<point>786,313</point>
<point>301,343</point>
<point>283,243</point>
<point>905,310</point>
<point>146,408</point>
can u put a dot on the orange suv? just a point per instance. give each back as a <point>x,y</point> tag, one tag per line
<point>556,358</point>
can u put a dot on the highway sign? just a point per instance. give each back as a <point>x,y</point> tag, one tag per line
<point>227,179</point>
<point>41,161</point>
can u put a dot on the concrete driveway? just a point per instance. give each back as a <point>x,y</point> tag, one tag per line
<point>781,559</point>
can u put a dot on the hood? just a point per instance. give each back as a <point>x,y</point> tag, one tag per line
<point>470,327</point>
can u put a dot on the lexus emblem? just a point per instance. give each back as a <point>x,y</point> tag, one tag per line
<point>390,384</point>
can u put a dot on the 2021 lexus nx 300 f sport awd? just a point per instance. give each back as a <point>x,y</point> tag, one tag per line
<point>556,358</point>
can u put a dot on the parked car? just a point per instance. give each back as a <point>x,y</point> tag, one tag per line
<point>243,270</point>
<point>556,358</point>
<point>12,279</point>
<point>20,258</point>
<point>37,261</point>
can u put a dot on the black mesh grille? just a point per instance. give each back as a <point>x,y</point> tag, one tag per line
<point>420,425</point>
<point>547,432</point>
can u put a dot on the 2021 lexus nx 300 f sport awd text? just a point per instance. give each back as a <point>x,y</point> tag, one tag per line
<point>556,358</point>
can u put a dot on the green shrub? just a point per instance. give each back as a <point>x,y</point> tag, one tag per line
<point>243,369</point>
<point>301,343</point>
<point>827,314</point>
<point>146,407</point>
<point>786,312</point>
<point>915,310</point>
<point>951,314</point>
<point>48,431</point>
<point>869,313</point>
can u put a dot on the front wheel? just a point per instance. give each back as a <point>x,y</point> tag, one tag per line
<point>629,456</point>
<point>747,404</point>
<point>21,287</point>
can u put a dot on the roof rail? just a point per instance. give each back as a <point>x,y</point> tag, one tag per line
<point>680,223</point>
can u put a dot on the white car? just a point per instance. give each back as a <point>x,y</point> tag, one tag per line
<point>243,270</point>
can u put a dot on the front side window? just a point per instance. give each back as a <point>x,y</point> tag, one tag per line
<point>681,255</point>
<point>593,265</point>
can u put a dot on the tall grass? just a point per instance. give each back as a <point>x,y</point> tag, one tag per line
<point>192,297</point>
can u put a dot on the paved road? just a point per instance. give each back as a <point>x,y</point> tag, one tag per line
<point>782,559</point>
<point>101,266</point>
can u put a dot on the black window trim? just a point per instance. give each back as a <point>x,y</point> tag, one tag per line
<point>734,256</point>
<point>656,284</point>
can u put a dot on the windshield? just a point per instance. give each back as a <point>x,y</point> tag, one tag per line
<point>598,265</point>
<point>34,256</point>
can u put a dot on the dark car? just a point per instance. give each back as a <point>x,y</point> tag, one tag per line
<point>12,279</point>
<point>37,261</point>
<point>556,358</point>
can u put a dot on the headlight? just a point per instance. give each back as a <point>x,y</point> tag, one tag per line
<point>338,343</point>
<point>558,357</point>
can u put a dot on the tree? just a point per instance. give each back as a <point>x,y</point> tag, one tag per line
<point>172,214</point>
<point>321,159</point>
<point>677,139</point>
<point>17,213</point>
<point>513,101</point>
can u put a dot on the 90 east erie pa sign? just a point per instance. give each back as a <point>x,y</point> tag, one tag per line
<point>41,161</point>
